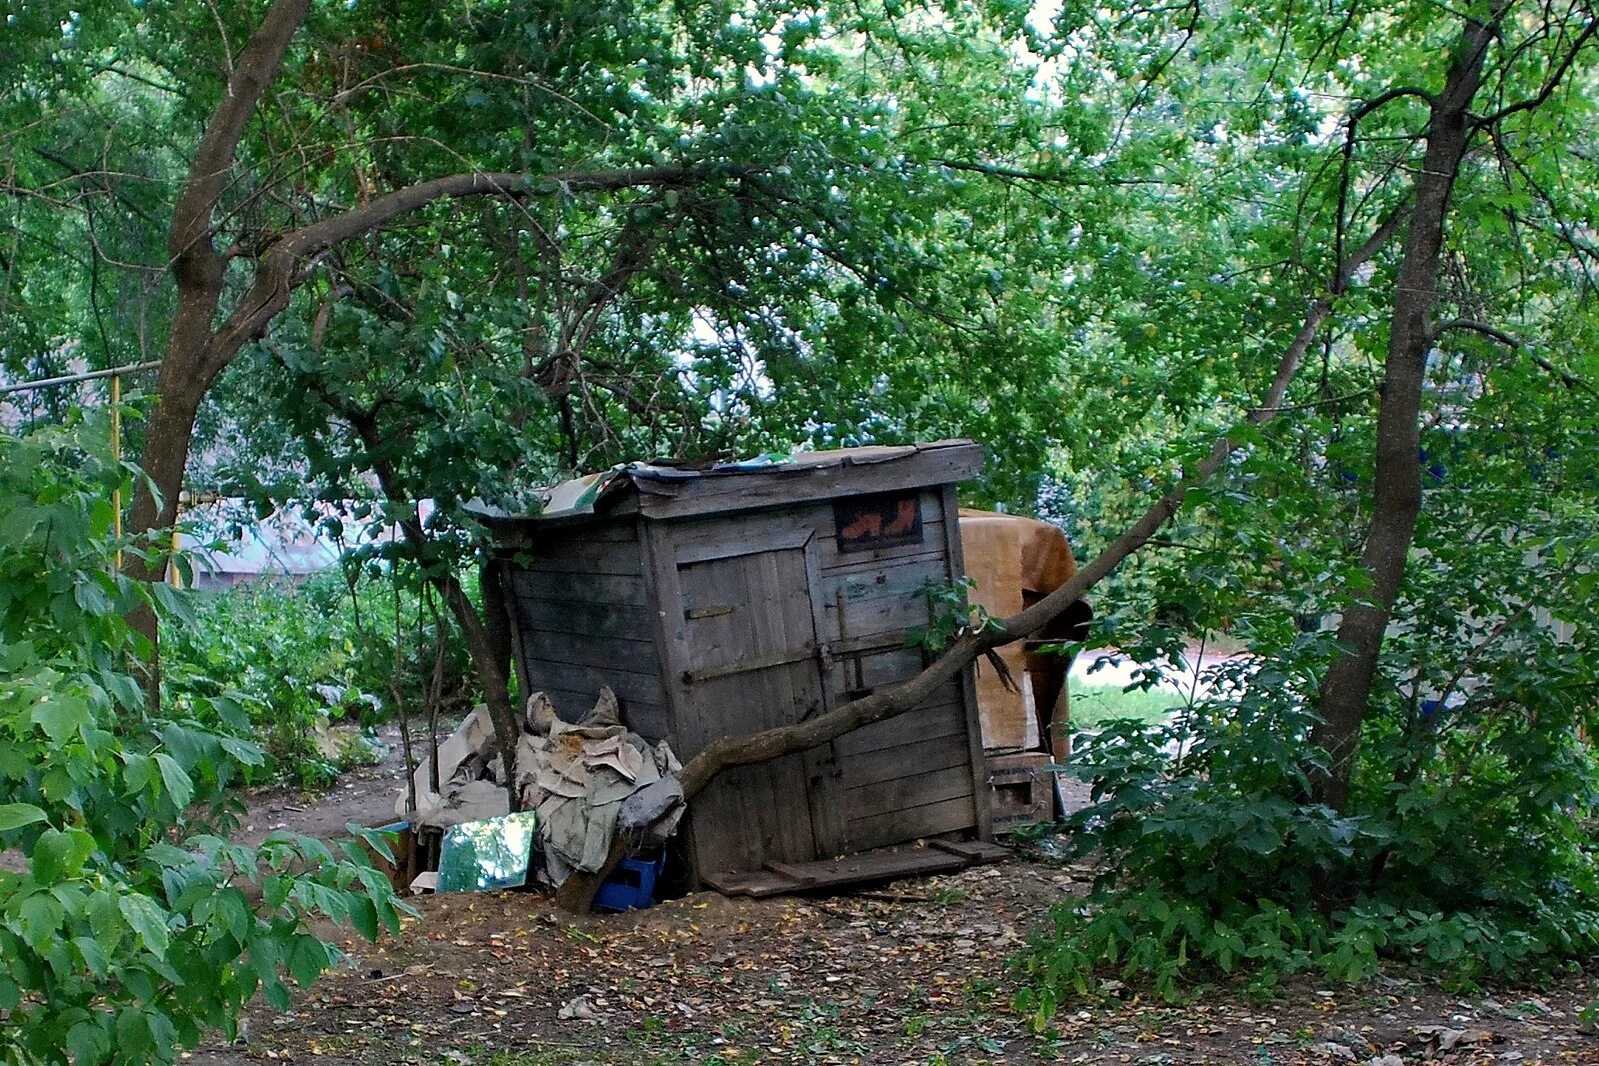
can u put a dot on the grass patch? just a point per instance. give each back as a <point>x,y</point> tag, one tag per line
<point>1093,705</point>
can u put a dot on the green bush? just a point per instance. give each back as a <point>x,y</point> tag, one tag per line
<point>299,657</point>
<point>1479,864</point>
<point>133,926</point>
<point>1468,842</point>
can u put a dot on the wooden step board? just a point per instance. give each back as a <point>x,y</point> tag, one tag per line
<point>868,867</point>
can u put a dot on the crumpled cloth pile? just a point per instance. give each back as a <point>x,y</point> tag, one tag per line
<point>590,780</point>
<point>587,782</point>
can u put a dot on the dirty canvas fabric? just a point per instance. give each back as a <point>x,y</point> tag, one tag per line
<point>585,782</point>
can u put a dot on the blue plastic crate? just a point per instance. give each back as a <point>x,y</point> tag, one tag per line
<point>631,886</point>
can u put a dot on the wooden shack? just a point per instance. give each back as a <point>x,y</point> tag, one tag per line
<point>733,599</point>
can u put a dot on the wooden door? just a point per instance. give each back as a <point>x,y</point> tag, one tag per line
<point>752,664</point>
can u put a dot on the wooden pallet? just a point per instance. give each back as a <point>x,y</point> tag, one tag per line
<point>868,867</point>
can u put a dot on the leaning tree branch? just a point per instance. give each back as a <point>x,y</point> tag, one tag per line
<point>1556,76</point>
<point>1514,343</point>
<point>1366,107</point>
<point>728,752</point>
<point>480,639</point>
<point>189,240</point>
<point>281,268</point>
<point>994,170</point>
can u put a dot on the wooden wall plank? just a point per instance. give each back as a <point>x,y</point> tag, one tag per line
<point>895,827</point>
<point>723,538</point>
<point>748,815</point>
<point>901,793</point>
<point>647,720</point>
<point>896,611</point>
<point>914,757</point>
<point>851,565</point>
<point>584,619</point>
<point>601,654</point>
<point>968,678</point>
<point>723,494</point>
<point>643,689</point>
<point>933,720</point>
<point>823,772</point>
<point>576,555</point>
<point>623,590</point>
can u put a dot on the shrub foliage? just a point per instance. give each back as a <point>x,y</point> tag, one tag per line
<point>132,925</point>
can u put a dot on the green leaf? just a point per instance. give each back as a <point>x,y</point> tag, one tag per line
<point>177,780</point>
<point>61,716</point>
<point>148,920</point>
<point>41,915</point>
<point>17,815</point>
<point>91,597</point>
<point>133,1034</point>
<point>137,772</point>
<point>364,916</point>
<point>59,855</point>
<point>306,958</point>
<point>94,956</point>
<point>88,1043</point>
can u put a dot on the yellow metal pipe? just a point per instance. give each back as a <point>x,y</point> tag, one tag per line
<point>172,566</point>
<point>116,453</point>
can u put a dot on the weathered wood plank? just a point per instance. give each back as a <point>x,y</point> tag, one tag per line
<point>903,793</point>
<point>823,772</point>
<point>723,493</point>
<point>635,687</point>
<point>898,610</point>
<point>577,556</point>
<point>940,719</point>
<point>565,586</point>
<point>832,559</point>
<point>754,814</point>
<point>906,760</point>
<point>546,532</point>
<point>944,816</point>
<point>647,720</point>
<point>908,578</point>
<point>867,867</point>
<point>757,884</point>
<point>702,539</point>
<point>968,678</point>
<point>587,619</point>
<point>854,565</point>
<point>600,653</point>
<point>976,852</point>
<point>861,672</point>
<point>887,864</point>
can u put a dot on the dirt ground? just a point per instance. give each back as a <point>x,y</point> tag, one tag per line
<point>913,973</point>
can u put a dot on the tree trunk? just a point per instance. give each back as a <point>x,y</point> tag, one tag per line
<point>490,671</point>
<point>155,496</point>
<point>166,452</point>
<point>490,652</point>
<point>1396,503</point>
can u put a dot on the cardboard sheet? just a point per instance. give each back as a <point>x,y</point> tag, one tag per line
<point>1015,561</point>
